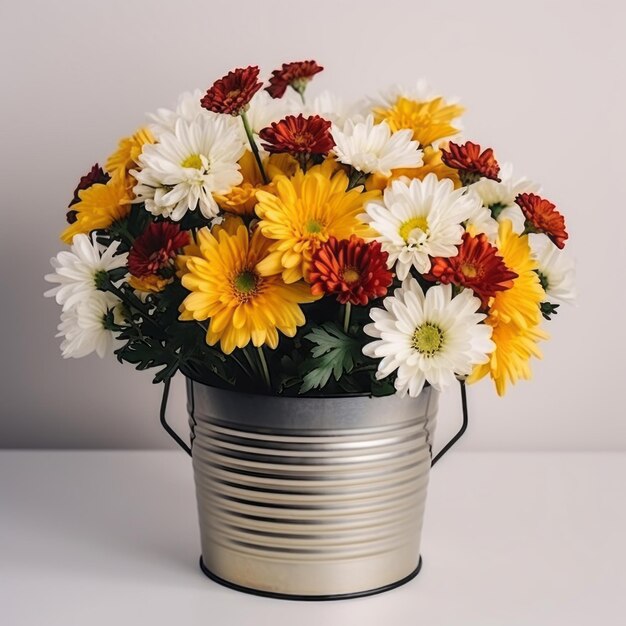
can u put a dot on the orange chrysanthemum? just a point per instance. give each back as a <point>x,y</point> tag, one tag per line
<point>542,217</point>
<point>471,163</point>
<point>295,75</point>
<point>241,200</point>
<point>299,136</point>
<point>354,270</point>
<point>478,266</point>
<point>232,93</point>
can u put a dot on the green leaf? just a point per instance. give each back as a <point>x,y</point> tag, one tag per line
<point>334,353</point>
<point>548,309</point>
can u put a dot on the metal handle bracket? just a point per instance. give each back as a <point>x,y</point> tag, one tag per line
<point>168,429</point>
<point>461,431</point>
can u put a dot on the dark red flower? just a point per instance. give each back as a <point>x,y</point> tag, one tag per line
<point>154,250</point>
<point>542,217</point>
<point>356,271</point>
<point>296,75</point>
<point>299,136</point>
<point>95,175</point>
<point>478,266</point>
<point>471,163</point>
<point>232,93</point>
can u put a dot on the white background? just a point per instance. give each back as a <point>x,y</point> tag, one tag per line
<point>543,83</point>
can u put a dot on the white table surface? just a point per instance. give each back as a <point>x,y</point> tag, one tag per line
<point>95,538</point>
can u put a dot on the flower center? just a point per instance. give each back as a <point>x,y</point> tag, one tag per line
<point>302,139</point>
<point>409,226</point>
<point>233,94</point>
<point>428,339</point>
<point>314,227</point>
<point>350,275</point>
<point>469,270</point>
<point>245,285</point>
<point>194,161</point>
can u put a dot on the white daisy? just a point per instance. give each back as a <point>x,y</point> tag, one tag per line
<point>556,270</point>
<point>335,109</point>
<point>263,109</point>
<point>83,326</point>
<point>188,109</point>
<point>76,272</point>
<point>428,338</point>
<point>373,148</point>
<point>189,165</point>
<point>481,221</point>
<point>499,197</point>
<point>418,219</point>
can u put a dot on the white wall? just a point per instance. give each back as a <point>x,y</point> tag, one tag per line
<point>543,83</point>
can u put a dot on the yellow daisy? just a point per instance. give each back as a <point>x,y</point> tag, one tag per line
<point>514,315</point>
<point>128,151</point>
<point>241,200</point>
<point>228,289</point>
<point>429,120</point>
<point>125,157</point>
<point>432,163</point>
<point>519,304</point>
<point>100,206</point>
<point>303,213</point>
<point>510,360</point>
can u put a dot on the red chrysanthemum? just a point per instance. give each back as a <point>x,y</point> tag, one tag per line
<point>95,175</point>
<point>232,93</point>
<point>296,75</point>
<point>471,163</point>
<point>354,270</point>
<point>154,250</point>
<point>299,136</point>
<point>542,217</point>
<point>478,266</point>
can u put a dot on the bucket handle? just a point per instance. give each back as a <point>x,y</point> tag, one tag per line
<point>170,431</point>
<point>461,430</point>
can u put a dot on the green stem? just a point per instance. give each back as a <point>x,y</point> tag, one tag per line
<point>346,317</point>
<point>245,370</point>
<point>253,367</point>
<point>266,371</point>
<point>364,368</point>
<point>301,92</point>
<point>120,228</point>
<point>133,302</point>
<point>253,146</point>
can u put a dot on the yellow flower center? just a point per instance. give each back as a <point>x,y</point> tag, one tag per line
<point>469,270</point>
<point>428,339</point>
<point>245,285</point>
<point>314,227</point>
<point>194,161</point>
<point>410,225</point>
<point>350,275</point>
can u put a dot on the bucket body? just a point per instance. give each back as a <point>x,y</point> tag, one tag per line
<point>310,497</point>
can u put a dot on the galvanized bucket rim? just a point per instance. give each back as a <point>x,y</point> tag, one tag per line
<point>333,396</point>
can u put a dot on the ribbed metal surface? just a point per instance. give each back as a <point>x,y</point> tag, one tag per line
<point>310,496</point>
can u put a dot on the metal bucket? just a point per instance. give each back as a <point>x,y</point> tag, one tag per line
<point>314,498</point>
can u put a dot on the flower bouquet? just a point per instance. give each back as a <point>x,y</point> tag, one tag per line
<point>334,264</point>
